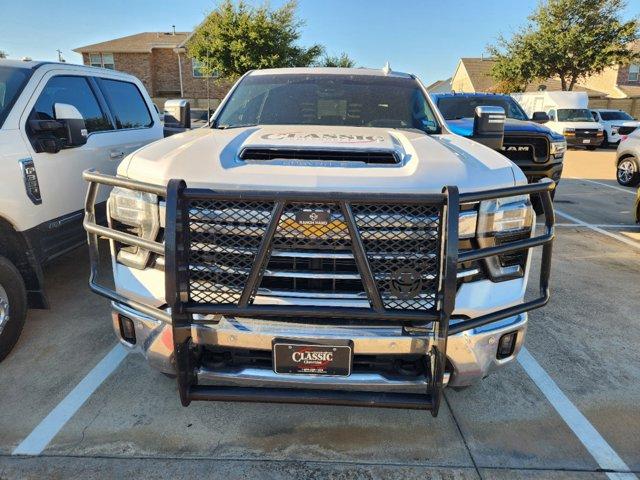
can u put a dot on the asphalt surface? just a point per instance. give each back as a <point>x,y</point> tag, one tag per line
<point>133,425</point>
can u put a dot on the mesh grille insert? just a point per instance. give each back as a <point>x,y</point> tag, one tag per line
<point>311,253</point>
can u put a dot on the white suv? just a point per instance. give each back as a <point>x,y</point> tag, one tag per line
<point>615,123</point>
<point>56,120</point>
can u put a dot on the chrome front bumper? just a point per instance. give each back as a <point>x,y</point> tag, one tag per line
<point>471,354</point>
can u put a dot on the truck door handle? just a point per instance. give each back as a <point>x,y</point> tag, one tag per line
<point>116,154</point>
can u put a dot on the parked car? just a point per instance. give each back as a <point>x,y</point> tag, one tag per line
<point>328,240</point>
<point>56,120</point>
<point>536,149</point>
<point>616,123</point>
<point>568,115</point>
<point>628,160</point>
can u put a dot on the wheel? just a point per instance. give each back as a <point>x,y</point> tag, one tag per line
<point>628,172</point>
<point>592,147</point>
<point>605,142</point>
<point>13,306</point>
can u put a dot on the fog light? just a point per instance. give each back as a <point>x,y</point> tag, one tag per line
<point>506,345</point>
<point>127,329</point>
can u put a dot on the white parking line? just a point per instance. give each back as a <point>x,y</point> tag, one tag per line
<point>615,187</point>
<point>597,446</point>
<point>48,428</point>
<point>595,228</point>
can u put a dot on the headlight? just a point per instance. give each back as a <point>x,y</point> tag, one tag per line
<point>137,214</point>
<point>600,133</point>
<point>558,148</point>
<point>569,132</point>
<point>467,224</point>
<point>505,220</point>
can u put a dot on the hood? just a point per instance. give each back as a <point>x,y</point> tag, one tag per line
<point>464,127</point>
<point>210,158</point>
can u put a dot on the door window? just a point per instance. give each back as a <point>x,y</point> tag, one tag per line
<point>126,103</point>
<point>75,91</point>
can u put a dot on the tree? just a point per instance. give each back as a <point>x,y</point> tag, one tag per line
<point>235,38</point>
<point>341,60</point>
<point>565,39</point>
<point>3,54</point>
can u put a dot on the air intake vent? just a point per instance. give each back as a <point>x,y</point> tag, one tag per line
<point>378,157</point>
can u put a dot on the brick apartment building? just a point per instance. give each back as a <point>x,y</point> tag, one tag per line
<point>160,61</point>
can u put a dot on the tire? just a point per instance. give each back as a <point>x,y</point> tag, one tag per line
<point>537,204</point>
<point>13,306</point>
<point>592,147</point>
<point>628,172</point>
<point>605,142</point>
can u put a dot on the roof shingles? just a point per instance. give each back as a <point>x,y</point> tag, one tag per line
<point>140,42</point>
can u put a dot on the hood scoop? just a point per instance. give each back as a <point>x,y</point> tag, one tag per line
<point>322,146</point>
<point>374,156</point>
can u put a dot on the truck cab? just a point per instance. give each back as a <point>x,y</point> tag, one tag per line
<point>56,120</point>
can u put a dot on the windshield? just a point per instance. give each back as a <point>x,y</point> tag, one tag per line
<point>454,108</point>
<point>329,99</point>
<point>11,82</point>
<point>615,116</point>
<point>574,115</point>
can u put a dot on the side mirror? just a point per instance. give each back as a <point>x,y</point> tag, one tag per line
<point>177,114</point>
<point>488,126</point>
<point>73,123</point>
<point>540,117</point>
<point>67,130</point>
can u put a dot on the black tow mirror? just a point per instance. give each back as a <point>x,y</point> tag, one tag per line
<point>540,117</point>
<point>488,126</point>
<point>74,127</point>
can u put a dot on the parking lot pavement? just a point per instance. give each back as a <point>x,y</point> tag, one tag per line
<point>505,427</point>
<point>56,349</point>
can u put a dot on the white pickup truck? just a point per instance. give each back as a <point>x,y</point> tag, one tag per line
<point>327,240</point>
<point>56,120</point>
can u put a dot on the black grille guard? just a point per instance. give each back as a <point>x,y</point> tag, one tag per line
<point>182,308</point>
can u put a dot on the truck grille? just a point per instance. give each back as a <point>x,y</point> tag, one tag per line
<point>586,132</point>
<point>315,261</point>
<point>526,148</point>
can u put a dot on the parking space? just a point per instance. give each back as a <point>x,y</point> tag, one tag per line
<point>585,340</point>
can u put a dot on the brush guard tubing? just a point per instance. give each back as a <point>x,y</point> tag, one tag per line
<point>182,310</point>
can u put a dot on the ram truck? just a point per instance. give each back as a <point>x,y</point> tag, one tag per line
<point>536,149</point>
<point>327,240</point>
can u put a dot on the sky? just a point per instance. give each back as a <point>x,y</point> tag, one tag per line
<point>425,37</point>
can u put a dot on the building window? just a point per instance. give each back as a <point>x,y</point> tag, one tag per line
<point>634,72</point>
<point>198,69</point>
<point>102,60</point>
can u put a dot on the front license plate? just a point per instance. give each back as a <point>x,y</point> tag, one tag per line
<point>312,359</point>
<point>586,140</point>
